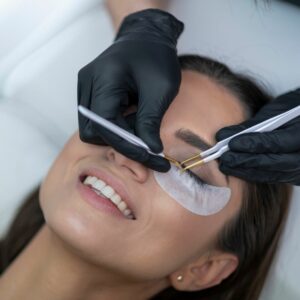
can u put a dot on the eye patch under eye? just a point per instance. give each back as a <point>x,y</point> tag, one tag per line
<point>199,198</point>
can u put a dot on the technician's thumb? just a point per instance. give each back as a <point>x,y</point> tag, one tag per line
<point>147,128</point>
<point>227,132</point>
<point>234,129</point>
<point>151,109</point>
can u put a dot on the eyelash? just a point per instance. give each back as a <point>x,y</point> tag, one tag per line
<point>195,177</point>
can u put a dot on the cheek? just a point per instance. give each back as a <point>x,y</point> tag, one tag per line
<point>55,185</point>
<point>173,236</point>
<point>65,212</point>
<point>72,220</point>
<point>57,199</point>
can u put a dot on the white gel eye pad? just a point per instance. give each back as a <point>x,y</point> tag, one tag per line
<point>199,198</point>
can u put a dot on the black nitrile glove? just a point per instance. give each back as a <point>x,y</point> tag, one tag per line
<point>140,68</point>
<point>265,157</point>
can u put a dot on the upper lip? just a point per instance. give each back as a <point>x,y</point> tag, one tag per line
<point>114,182</point>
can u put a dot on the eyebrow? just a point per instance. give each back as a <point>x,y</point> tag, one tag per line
<point>195,140</point>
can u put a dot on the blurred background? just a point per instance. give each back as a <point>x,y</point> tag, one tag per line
<point>43,44</point>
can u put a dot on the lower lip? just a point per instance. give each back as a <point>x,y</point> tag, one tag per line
<point>97,201</point>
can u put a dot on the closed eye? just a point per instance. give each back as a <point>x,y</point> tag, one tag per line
<point>195,177</point>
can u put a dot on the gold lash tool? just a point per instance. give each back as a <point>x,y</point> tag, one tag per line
<point>203,157</point>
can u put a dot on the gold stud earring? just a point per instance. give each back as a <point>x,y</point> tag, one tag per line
<point>179,278</point>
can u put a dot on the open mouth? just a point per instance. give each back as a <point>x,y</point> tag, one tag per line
<point>104,190</point>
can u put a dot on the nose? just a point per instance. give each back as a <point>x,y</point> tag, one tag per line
<point>132,168</point>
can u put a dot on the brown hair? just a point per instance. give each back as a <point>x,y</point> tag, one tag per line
<point>252,235</point>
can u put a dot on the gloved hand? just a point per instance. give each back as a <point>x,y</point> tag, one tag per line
<point>140,68</point>
<point>265,157</point>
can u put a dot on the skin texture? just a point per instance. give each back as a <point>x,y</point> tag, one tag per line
<point>119,9</point>
<point>92,251</point>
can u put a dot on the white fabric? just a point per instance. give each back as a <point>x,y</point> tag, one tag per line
<point>199,198</point>
<point>56,19</point>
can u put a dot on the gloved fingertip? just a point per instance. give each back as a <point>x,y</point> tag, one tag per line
<point>228,158</point>
<point>224,169</point>
<point>228,131</point>
<point>243,143</point>
<point>223,134</point>
<point>158,164</point>
<point>235,172</point>
<point>148,131</point>
<point>153,141</point>
<point>155,146</point>
<point>164,168</point>
<point>219,135</point>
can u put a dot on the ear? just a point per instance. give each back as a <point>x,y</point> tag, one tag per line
<point>205,272</point>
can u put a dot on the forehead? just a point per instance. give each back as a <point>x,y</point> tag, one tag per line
<point>202,106</point>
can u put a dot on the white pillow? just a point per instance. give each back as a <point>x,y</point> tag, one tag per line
<point>26,155</point>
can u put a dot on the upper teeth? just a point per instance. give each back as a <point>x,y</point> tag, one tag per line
<point>100,187</point>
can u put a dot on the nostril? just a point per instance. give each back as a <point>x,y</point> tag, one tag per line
<point>82,178</point>
<point>111,154</point>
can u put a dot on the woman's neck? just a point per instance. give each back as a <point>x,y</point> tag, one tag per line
<point>46,269</point>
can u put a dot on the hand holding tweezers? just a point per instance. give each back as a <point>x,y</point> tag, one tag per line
<point>131,138</point>
<point>218,149</point>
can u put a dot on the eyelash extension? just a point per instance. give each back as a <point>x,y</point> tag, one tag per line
<point>195,177</point>
<point>192,176</point>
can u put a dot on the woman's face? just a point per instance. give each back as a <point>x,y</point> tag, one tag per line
<point>164,236</point>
